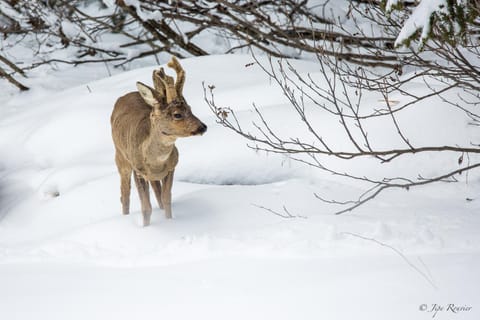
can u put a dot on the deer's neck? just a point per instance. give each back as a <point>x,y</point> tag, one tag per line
<point>158,146</point>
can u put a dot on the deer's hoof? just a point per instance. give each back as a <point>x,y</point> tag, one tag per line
<point>146,221</point>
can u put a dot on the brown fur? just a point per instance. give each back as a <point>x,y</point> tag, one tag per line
<point>145,126</point>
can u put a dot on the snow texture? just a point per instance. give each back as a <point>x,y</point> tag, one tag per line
<point>66,251</point>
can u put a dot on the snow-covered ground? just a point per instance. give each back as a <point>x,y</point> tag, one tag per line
<point>66,252</point>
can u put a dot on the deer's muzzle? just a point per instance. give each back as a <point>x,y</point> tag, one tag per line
<point>201,130</point>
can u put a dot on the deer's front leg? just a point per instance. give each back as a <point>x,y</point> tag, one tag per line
<point>167,183</point>
<point>157,190</point>
<point>144,194</point>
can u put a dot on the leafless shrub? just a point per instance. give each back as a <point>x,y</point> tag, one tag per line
<point>447,70</point>
<point>144,28</point>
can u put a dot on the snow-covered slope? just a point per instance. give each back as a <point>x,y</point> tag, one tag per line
<point>66,252</point>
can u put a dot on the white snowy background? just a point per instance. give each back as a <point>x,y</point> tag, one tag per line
<point>66,252</point>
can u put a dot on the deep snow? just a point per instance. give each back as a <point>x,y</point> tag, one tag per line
<point>66,252</point>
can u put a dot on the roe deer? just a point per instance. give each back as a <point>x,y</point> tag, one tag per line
<point>145,125</point>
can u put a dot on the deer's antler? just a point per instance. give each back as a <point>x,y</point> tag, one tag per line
<point>169,85</point>
<point>166,85</point>
<point>158,84</point>
<point>175,65</point>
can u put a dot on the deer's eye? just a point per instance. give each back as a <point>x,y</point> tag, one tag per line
<point>178,116</point>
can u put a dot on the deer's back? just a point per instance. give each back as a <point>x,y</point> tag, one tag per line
<point>130,123</point>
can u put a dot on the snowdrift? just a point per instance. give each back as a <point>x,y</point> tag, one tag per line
<point>66,252</point>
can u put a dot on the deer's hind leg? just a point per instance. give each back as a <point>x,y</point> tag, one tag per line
<point>157,190</point>
<point>144,194</point>
<point>125,171</point>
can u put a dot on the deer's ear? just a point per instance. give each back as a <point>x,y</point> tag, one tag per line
<point>148,95</point>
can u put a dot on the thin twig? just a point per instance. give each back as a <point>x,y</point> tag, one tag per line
<point>398,252</point>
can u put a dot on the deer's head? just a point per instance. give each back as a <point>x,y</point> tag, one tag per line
<point>171,113</point>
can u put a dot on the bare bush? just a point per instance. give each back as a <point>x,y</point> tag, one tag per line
<point>119,32</point>
<point>446,70</point>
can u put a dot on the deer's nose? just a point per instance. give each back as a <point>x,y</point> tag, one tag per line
<point>202,129</point>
